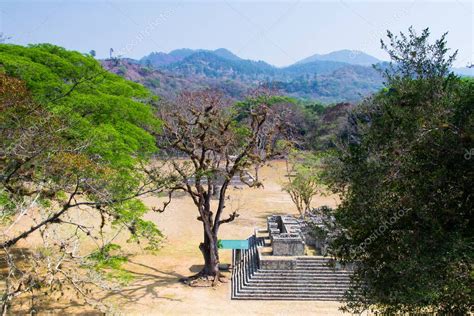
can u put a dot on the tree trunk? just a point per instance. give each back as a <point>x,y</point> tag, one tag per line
<point>211,255</point>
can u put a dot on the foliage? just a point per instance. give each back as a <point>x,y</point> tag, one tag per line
<point>309,124</point>
<point>406,186</point>
<point>103,259</point>
<point>72,135</point>
<point>103,107</point>
<point>303,180</point>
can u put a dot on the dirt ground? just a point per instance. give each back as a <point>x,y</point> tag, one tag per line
<point>156,289</point>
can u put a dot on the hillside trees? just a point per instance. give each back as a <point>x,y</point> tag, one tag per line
<point>202,128</point>
<point>405,180</point>
<point>72,138</point>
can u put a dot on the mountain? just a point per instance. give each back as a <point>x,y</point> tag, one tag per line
<point>322,79</point>
<point>157,59</point>
<point>352,57</point>
<point>167,84</point>
<point>211,65</point>
<point>182,53</point>
<point>225,53</point>
<point>315,67</point>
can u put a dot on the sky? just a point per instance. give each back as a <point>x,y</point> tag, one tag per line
<point>278,32</point>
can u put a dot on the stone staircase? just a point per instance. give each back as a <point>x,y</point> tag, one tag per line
<point>311,279</point>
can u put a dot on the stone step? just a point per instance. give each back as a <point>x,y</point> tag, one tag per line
<point>288,298</point>
<point>305,269</point>
<point>327,287</point>
<point>320,263</point>
<point>314,258</point>
<point>290,288</point>
<point>279,298</point>
<point>294,289</point>
<point>301,273</point>
<point>301,267</point>
<point>317,265</point>
<point>300,297</point>
<point>345,282</point>
<point>292,293</point>
<point>299,281</point>
<point>313,270</point>
<point>313,279</point>
<point>320,283</point>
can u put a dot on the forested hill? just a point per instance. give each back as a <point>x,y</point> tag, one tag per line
<point>342,76</point>
<point>320,79</point>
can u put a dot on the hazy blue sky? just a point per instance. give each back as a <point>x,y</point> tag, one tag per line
<point>279,32</point>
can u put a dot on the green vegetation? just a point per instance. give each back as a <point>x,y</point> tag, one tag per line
<point>102,107</point>
<point>103,259</point>
<point>76,136</point>
<point>72,135</point>
<point>303,180</point>
<point>405,180</point>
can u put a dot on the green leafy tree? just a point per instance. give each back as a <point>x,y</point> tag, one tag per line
<point>303,180</point>
<point>72,135</point>
<point>404,172</point>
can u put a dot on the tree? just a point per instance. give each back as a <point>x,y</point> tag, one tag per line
<point>406,186</point>
<point>283,109</point>
<point>71,135</point>
<point>92,53</point>
<point>201,128</point>
<point>303,180</point>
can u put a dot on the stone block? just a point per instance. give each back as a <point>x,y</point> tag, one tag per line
<point>273,225</point>
<point>278,264</point>
<point>287,245</point>
<point>274,231</point>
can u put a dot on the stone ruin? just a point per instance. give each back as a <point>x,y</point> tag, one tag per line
<point>279,266</point>
<point>289,235</point>
<point>285,235</point>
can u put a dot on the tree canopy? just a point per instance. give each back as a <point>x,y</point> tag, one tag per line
<point>405,180</point>
<point>72,135</point>
<point>103,107</point>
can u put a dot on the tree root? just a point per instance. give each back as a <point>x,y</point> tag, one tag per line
<point>203,280</point>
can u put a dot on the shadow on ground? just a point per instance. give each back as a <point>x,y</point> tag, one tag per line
<point>146,284</point>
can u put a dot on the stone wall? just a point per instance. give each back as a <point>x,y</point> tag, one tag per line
<point>275,263</point>
<point>278,264</point>
<point>287,245</point>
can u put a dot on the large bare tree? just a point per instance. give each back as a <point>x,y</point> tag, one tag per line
<point>210,143</point>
